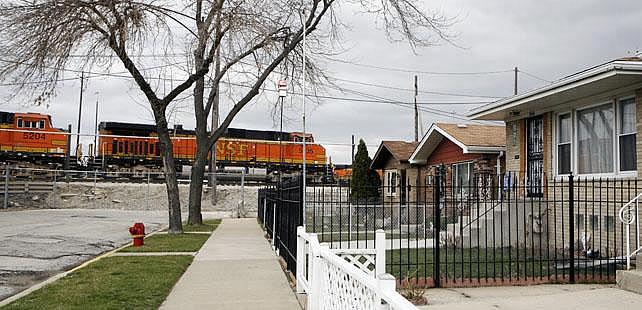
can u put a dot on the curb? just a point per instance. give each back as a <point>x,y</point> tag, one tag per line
<point>53,278</point>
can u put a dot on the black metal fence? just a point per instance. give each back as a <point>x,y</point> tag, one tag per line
<point>280,211</point>
<point>483,229</point>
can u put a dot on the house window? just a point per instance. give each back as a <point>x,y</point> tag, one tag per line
<point>391,182</point>
<point>595,139</point>
<point>626,135</point>
<point>462,177</point>
<point>564,134</point>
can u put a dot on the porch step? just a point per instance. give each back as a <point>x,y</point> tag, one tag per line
<point>630,280</point>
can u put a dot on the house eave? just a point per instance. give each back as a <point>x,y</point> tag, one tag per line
<point>497,110</point>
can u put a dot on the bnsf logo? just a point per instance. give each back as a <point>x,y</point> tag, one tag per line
<point>33,136</point>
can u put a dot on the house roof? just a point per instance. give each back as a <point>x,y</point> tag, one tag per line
<point>400,150</point>
<point>605,80</point>
<point>471,138</point>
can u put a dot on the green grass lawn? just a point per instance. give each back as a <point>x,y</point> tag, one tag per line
<point>481,263</point>
<point>170,243</point>
<point>208,226</point>
<point>111,283</point>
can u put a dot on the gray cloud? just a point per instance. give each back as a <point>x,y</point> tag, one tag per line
<point>549,39</point>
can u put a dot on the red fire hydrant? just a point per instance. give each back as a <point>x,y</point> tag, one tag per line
<point>138,233</point>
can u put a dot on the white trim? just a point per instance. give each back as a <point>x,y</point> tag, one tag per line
<point>614,102</point>
<point>579,79</point>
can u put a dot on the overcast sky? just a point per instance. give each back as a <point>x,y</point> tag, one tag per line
<point>548,39</point>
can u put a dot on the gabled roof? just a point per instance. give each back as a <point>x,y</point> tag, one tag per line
<point>620,75</point>
<point>400,150</point>
<point>471,138</point>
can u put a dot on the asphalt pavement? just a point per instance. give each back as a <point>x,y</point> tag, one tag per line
<point>37,244</point>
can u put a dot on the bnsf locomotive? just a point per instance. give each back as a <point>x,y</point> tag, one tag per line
<point>31,139</point>
<point>127,146</point>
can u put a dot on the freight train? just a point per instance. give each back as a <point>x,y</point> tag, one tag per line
<point>30,139</point>
<point>126,146</point>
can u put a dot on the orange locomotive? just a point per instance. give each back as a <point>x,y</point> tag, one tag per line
<point>126,146</point>
<point>31,137</point>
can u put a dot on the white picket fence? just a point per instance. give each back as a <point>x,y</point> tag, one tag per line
<point>341,279</point>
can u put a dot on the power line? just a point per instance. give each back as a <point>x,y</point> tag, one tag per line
<point>419,91</point>
<point>419,71</point>
<point>534,76</point>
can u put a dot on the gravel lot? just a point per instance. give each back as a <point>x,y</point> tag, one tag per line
<point>36,244</point>
<point>134,196</point>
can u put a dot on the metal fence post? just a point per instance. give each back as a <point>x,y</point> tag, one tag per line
<point>300,259</point>
<point>436,229</point>
<point>571,230</point>
<point>6,186</point>
<point>238,213</point>
<point>274,226</point>
<point>95,185</point>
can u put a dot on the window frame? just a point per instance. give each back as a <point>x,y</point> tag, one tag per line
<point>557,143</point>
<point>615,105</point>
<point>391,182</point>
<point>455,172</point>
<point>618,105</point>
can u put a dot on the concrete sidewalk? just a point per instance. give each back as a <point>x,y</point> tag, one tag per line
<point>235,269</point>
<point>536,297</point>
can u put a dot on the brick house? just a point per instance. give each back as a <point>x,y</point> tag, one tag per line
<point>583,125</point>
<point>397,174</point>
<point>462,151</point>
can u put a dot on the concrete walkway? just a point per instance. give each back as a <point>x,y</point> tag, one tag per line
<point>235,269</point>
<point>536,297</point>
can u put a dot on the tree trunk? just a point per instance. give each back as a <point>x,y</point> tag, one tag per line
<point>196,182</point>
<point>171,180</point>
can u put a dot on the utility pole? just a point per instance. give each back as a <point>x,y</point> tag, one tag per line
<point>351,163</point>
<point>82,86</point>
<point>96,131</point>
<point>416,113</point>
<point>515,88</point>
<point>282,88</point>
<point>215,108</point>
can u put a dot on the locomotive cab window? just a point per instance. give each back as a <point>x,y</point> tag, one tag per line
<point>42,124</point>
<point>20,123</point>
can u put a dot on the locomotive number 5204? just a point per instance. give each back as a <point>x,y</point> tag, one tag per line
<point>33,136</point>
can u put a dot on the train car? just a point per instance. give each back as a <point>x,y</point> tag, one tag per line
<point>125,146</point>
<point>31,137</point>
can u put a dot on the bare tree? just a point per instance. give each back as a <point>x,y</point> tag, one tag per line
<point>260,40</point>
<point>254,40</point>
<point>39,38</point>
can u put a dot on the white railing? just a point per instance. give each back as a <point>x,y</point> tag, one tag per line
<point>346,278</point>
<point>629,216</point>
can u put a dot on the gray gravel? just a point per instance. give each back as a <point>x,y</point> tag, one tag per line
<point>36,244</point>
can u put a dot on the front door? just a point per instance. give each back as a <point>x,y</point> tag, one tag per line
<point>534,156</point>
